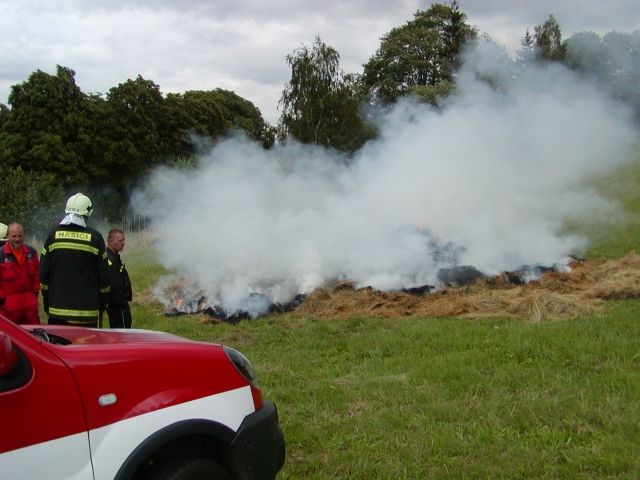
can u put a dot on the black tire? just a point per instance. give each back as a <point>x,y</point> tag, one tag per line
<point>188,469</point>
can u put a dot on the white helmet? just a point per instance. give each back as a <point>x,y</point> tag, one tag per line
<point>79,204</point>
<point>3,231</point>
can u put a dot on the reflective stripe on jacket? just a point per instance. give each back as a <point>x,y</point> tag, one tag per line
<point>73,273</point>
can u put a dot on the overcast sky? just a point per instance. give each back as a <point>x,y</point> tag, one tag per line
<point>241,45</point>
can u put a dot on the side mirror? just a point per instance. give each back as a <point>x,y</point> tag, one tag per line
<point>8,356</point>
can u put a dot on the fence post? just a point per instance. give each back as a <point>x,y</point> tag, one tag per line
<point>135,223</point>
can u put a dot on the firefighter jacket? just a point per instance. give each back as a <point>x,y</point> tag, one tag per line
<point>73,274</point>
<point>19,282</point>
<point>120,284</point>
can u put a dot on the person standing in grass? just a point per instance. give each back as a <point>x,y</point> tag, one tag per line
<point>120,293</point>
<point>73,268</point>
<point>19,278</point>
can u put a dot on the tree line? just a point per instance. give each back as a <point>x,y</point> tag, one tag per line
<point>56,139</point>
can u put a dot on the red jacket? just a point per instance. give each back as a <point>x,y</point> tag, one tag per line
<point>16,278</point>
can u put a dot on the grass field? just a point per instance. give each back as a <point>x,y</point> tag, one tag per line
<point>444,398</point>
<point>621,234</point>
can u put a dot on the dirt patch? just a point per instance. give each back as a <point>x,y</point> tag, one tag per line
<point>554,296</point>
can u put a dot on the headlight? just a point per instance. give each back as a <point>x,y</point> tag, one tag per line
<point>242,364</point>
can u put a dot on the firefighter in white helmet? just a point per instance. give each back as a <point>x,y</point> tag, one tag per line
<point>73,269</point>
<point>3,233</point>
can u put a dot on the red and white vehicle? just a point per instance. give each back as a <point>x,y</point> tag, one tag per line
<point>89,404</point>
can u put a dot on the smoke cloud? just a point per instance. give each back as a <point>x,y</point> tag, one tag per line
<point>488,180</point>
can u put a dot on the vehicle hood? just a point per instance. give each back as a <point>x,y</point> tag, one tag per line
<point>67,335</point>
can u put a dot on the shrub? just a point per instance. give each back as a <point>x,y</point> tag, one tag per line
<point>32,199</point>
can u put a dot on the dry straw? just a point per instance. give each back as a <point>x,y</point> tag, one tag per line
<point>555,296</point>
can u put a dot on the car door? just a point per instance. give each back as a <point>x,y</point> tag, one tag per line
<point>44,434</point>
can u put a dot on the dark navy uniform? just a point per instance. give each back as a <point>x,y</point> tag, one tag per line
<point>74,276</point>
<point>120,293</point>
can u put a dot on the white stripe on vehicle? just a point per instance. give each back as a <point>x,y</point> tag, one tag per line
<point>66,457</point>
<point>112,444</point>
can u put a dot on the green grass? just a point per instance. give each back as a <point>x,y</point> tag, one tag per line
<point>620,234</point>
<point>445,398</point>
<point>139,259</point>
<point>416,398</point>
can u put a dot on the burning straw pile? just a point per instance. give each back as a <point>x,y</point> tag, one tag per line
<point>554,296</point>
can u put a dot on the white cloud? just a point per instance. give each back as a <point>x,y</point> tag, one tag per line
<point>240,45</point>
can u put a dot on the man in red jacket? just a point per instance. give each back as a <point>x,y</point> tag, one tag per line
<point>19,278</point>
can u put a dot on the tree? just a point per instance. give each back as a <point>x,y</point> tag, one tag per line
<point>138,109</point>
<point>241,113</point>
<point>527,51</point>
<point>613,61</point>
<point>193,112</point>
<point>4,114</point>
<point>424,51</point>
<point>210,114</point>
<point>42,131</point>
<point>321,104</point>
<point>548,41</point>
<point>103,146</point>
<point>432,94</point>
<point>32,199</point>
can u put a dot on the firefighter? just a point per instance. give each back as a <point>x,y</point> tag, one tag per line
<point>3,234</point>
<point>120,295</point>
<point>19,278</point>
<point>73,268</point>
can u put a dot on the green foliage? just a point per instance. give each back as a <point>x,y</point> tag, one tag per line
<point>42,131</point>
<point>29,198</point>
<point>433,94</point>
<point>620,234</point>
<point>548,41</point>
<point>424,51</point>
<point>195,111</point>
<point>138,109</point>
<point>320,104</point>
<point>4,114</point>
<point>242,114</point>
<point>585,51</point>
<point>527,51</point>
<point>141,263</point>
<point>104,146</point>
<point>612,60</point>
<point>211,114</point>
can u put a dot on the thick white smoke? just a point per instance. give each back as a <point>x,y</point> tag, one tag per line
<point>487,181</point>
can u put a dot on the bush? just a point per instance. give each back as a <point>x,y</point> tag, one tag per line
<point>32,199</point>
